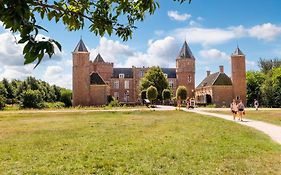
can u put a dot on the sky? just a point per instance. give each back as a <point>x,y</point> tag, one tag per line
<point>212,29</point>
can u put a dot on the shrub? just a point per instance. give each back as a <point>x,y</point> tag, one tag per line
<point>114,103</point>
<point>151,93</point>
<point>31,99</point>
<point>181,92</point>
<point>66,97</point>
<point>54,105</point>
<point>166,94</point>
<point>143,94</point>
<point>2,102</point>
<point>110,98</point>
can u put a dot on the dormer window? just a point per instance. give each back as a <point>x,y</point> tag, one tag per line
<point>165,75</point>
<point>121,75</point>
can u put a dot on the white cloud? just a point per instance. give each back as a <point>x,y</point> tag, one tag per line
<point>56,75</point>
<point>53,70</point>
<point>174,15</point>
<point>266,31</point>
<point>16,72</point>
<point>213,54</point>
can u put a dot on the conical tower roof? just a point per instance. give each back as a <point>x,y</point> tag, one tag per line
<point>80,47</point>
<point>185,52</point>
<point>238,51</point>
<point>99,59</point>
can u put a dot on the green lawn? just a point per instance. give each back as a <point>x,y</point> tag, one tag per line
<point>150,142</point>
<point>270,116</point>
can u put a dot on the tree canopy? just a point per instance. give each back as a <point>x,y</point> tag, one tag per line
<point>154,77</point>
<point>102,17</point>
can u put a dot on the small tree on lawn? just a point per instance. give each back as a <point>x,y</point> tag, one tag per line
<point>166,94</point>
<point>2,102</point>
<point>151,93</point>
<point>32,99</point>
<point>143,95</point>
<point>181,94</point>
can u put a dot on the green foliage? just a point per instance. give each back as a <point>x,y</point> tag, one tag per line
<point>143,94</point>
<point>66,96</point>
<point>3,90</point>
<point>2,102</point>
<point>255,80</point>
<point>102,17</point>
<point>114,103</point>
<point>53,105</point>
<point>154,77</point>
<point>267,65</point>
<point>31,99</point>
<point>110,98</point>
<point>166,94</point>
<point>151,93</point>
<point>181,92</point>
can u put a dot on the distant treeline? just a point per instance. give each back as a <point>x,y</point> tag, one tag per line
<point>33,93</point>
<point>265,84</point>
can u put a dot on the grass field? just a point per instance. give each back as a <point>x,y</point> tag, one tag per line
<point>150,142</point>
<point>270,116</point>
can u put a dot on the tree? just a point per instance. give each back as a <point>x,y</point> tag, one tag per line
<point>268,64</point>
<point>66,96</point>
<point>2,102</point>
<point>255,79</point>
<point>10,91</point>
<point>154,77</point>
<point>151,93</point>
<point>105,17</point>
<point>181,93</point>
<point>32,99</point>
<point>3,90</point>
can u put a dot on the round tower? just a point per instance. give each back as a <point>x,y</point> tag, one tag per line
<point>238,69</point>
<point>185,69</point>
<point>80,75</point>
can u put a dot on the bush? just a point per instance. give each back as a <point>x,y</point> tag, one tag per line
<point>54,105</point>
<point>66,97</point>
<point>110,98</point>
<point>181,92</point>
<point>143,94</point>
<point>31,99</point>
<point>2,102</point>
<point>166,94</point>
<point>114,103</point>
<point>151,93</point>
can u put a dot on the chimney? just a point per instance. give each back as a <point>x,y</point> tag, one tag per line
<point>208,73</point>
<point>221,69</point>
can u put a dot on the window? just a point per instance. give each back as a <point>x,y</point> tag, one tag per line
<point>116,95</point>
<point>141,73</point>
<point>121,75</point>
<point>165,75</point>
<point>126,84</point>
<point>116,85</point>
<point>171,84</point>
<point>189,78</point>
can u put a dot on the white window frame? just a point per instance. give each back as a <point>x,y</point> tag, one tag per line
<point>116,84</point>
<point>127,84</point>
<point>189,78</point>
<point>165,75</point>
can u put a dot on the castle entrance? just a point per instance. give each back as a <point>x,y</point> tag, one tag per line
<point>208,99</point>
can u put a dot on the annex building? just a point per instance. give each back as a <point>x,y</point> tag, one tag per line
<point>94,80</point>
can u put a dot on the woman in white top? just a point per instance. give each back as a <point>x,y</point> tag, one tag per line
<point>234,109</point>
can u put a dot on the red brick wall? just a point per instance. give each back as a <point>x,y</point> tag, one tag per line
<point>239,76</point>
<point>98,95</point>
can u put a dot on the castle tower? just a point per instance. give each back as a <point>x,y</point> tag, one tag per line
<point>185,69</point>
<point>80,75</point>
<point>238,68</point>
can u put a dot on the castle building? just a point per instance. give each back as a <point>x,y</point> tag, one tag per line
<point>94,80</point>
<point>219,89</point>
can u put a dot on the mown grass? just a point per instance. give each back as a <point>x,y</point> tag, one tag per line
<point>270,116</point>
<point>150,142</point>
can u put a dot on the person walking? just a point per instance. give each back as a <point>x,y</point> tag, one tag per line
<point>233,108</point>
<point>256,104</point>
<point>241,110</point>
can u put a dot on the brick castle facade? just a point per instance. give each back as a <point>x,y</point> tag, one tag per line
<point>94,80</point>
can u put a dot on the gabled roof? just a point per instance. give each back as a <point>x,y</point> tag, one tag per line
<point>238,51</point>
<point>185,52</point>
<point>98,59</point>
<point>171,72</point>
<point>80,47</point>
<point>96,79</point>
<point>217,78</point>
<point>128,72</point>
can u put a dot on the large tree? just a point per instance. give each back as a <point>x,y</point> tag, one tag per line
<point>101,16</point>
<point>255,79</point>
<point>154,77</point>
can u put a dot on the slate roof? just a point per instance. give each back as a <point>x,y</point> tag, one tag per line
<point>217,78</point>
<point>96,79</point>
<point>128,72</point>
<point>185,52</point>
<point>171,72</point>
<point>99,59</point>
<point>80,47</point>
<point>238,51</point>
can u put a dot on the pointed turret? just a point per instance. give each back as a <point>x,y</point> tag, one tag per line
<point>99,59</point>
<point>185,52</point>
<point>80,47</point>
<point>238,51</point>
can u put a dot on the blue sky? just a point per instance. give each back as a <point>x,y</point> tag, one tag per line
<point>212,28</point>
